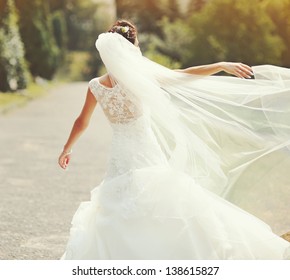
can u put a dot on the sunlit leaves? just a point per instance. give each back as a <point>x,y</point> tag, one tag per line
<point>13,69</point>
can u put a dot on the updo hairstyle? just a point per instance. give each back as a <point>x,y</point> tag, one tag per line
<point>126,29</point>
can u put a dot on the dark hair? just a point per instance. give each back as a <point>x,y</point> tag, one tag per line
<point>126,29</point>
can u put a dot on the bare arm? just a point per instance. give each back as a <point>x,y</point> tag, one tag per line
<point>237,69</point>
<point>80,124</point>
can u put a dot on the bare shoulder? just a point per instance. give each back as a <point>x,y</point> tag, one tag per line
<point>105,80</point>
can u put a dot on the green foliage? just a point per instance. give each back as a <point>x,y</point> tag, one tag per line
<point>224,30</point>
<point>81,24</point>
<point>176,41</point>
<point>279,11</point>
<point>255,32</point>
<point>75,67</point>
<point>162,59</point>
<point>85,21</point>
<point>152,44</point>
<point>13,70</point>
<point>102,22</point>
<point>60,31</point>
<point>145,14</point>
<point>42,52</point>
<point>234,31</point>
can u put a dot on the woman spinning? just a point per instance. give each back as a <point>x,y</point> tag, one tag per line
<point>181,139</point>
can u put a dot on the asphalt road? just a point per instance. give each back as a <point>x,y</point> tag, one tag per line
<point>37,198</point>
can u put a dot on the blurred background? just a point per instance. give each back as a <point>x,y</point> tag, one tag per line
<point>54,39</point>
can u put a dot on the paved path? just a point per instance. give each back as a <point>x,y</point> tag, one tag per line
<point>37,198</point>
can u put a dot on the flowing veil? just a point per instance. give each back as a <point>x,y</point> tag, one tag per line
<point>212,128</point>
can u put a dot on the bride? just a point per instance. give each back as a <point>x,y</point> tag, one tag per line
<point>181,140</point>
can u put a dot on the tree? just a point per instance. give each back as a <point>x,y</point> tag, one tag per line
<point>145,14</point>
<point>102,23</point>
<point>36,30</point>
<point>13,69</point>
<point>279,13</point>
<point>60,31</point>
<point>234,31</point>
<point>176,40</point>
<point>81,24</point>
<point>172,10</point>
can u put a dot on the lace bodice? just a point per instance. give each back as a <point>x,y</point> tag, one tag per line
<point>134,144</point>
<point>115,103</point>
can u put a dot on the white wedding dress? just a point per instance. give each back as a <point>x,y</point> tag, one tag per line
<point>146,209</point>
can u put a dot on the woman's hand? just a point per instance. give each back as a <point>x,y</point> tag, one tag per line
<point>64,159</point>
<point>237,69</point>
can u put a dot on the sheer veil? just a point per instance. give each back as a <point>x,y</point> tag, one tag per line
<point>212,128</point>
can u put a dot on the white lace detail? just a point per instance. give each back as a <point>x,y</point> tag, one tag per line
<point>115,103</point>
<point>133,143</point>
<point>123,193</point>
<point>134,146</point>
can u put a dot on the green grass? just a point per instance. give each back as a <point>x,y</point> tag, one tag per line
<point>73,69</point>
<point>11,100</point>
